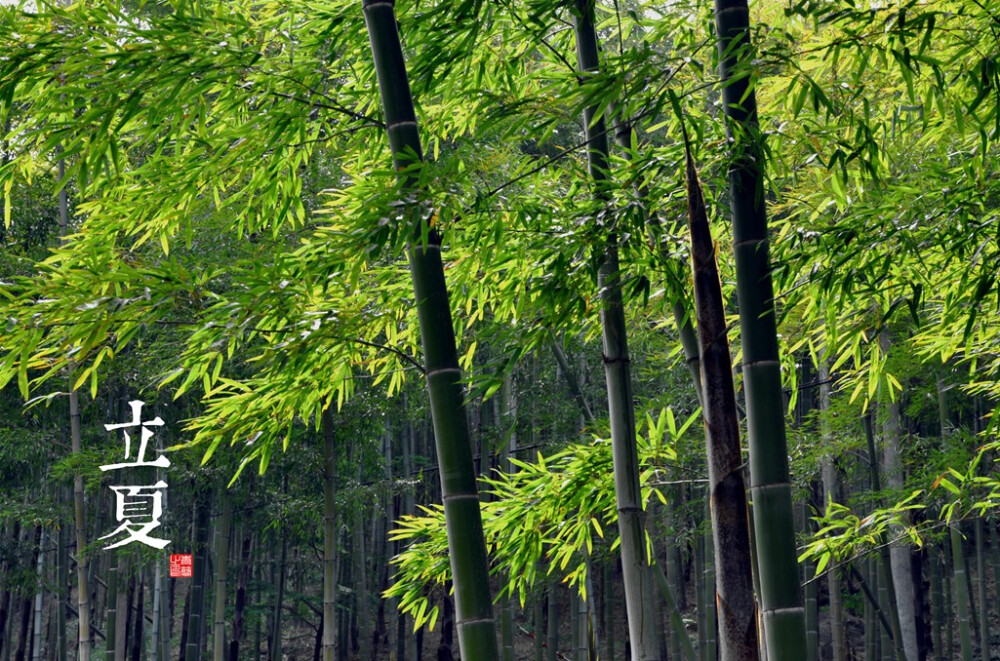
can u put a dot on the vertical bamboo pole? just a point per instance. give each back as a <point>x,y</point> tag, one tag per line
<point>222,533</point>
<point>79,503</point>
<point>981,582</point>
<point>640,605</point>
<point>39,599</point>
<point>885,561</point>
<point>466,544</point>
<point>961,592</point>
<point>329,645</point>
<point>937,603</point>
<point>781,595</point>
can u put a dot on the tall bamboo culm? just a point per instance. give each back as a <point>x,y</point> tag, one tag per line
<point>640,604</point>
<point>782,610</point>
<point>466,544</point>
<point>961,592</point>
<point>79,502</point>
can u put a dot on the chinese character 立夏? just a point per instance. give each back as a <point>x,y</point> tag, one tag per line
<point>139,510</point>
<point>146,434</point>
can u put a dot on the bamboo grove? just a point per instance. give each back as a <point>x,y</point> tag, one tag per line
<point>367,263</point>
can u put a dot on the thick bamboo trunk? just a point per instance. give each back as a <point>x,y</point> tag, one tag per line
<point>995,559</point>
<point>946,586</point>
<point>872,630</point>
<point>466,544</point>
<point>711,624</point>
<point>727,491</point>
<point>23,652</point>
<point>781,605</point>
<point>670,567</point>
<point>608,596</point>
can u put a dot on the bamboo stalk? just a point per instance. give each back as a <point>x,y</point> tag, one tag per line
<point>781,595</point>
<point>961,592</point>
<point>466,544</point>
<point>640,606</point>
<point>222,533</point>
<point>329,642</point>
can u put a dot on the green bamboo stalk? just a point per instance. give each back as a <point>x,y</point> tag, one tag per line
<point>640,606</point>
<point>466,544</point>
<point>727,490</point>
<point>984,608</point>
<point>79,502</point>
<point>961,592</point>
<point>781,595</point>
<point>872,629</point>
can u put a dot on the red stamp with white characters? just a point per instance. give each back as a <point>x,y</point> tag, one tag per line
<point>181,565</point>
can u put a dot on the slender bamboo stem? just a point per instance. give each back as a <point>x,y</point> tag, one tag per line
<point>466,544</point>
<point>961,592</point>
<point>640,605</point>
<point>329,643</point>
<point>885,562</point>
